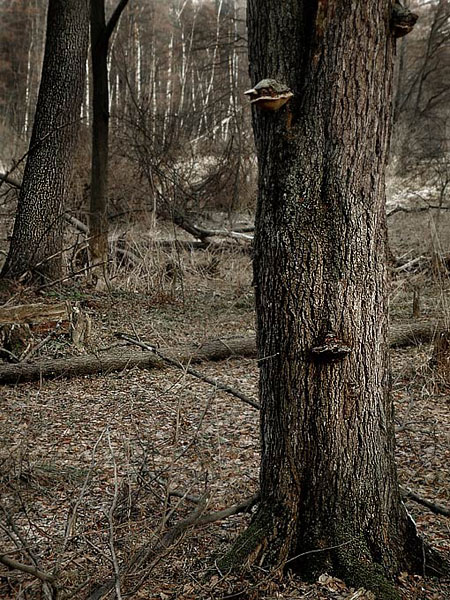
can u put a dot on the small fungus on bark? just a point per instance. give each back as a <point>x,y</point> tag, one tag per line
<point>330,348</point>
<point>269,94</point>
<point>402,20</point>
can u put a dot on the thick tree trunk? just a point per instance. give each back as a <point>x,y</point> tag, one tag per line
<point>36,243</point>
<point>329,494</point>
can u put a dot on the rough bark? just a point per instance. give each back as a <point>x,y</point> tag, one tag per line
<point>329,490</point>
<point>36,243</point>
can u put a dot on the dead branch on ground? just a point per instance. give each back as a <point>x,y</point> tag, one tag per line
<point>176,363</point>
<point>437,509</point>
<point>151,554</point>
<point>29,569</point>
<point>414,209</point>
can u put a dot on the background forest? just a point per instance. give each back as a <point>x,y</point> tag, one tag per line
<point>180,134</point>
<point>98,467</point>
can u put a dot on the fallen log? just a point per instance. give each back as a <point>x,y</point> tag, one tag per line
<point>213,350</point>
<point>415,333</point>
<point>401,336</point>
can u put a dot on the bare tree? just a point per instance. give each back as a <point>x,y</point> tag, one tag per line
<point>422,92</point>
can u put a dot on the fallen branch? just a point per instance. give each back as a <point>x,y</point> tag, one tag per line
<point>82,228</point>
<point>49,588</point>
<point>223,244</point>
<point>418,263</point>
<point>14,564</point>
<point>219,515</point>
<point>155,551</point>
<point>176,363</point>
<point>32,350</point>
<point>202,233</point>
<point>414,209</point>
<point>437,509</point>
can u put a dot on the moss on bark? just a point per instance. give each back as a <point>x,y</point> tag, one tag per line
<point>248,546</point>
<point>369,575</point>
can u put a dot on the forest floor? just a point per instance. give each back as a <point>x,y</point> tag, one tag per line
<point>94,467</point>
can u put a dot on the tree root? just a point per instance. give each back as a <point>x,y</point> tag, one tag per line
<point>263,544</point>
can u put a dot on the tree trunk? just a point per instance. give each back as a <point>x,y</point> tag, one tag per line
<point>98,217</point>
<point>36,243</point>
<point>329,493</point>
<point>98,220</point>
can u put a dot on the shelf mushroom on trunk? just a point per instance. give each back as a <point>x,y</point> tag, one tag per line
<point>269,94</point>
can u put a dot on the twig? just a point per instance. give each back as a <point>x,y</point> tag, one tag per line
<point>437,509</point>
<point>411,263</point>
<point>48,587</point>
<point>11,354</point>
<point>400,208</point>
<point>75,593</point>
<point>236,509</point>
<point>179,494</point>
<point>142,554</point>
<point>29,353</point>
<point>111,511</point>
<point>168,540</point>
<point>71,276</point>
<point>14,564</point>
<point>72,517</point>
<point>76,223</point>
<point>221,386</point>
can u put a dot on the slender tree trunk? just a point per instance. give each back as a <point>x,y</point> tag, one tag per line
<point>36,243</point>
<point>98,223</point>
<point>98,219</point>
<point>329,493</point>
